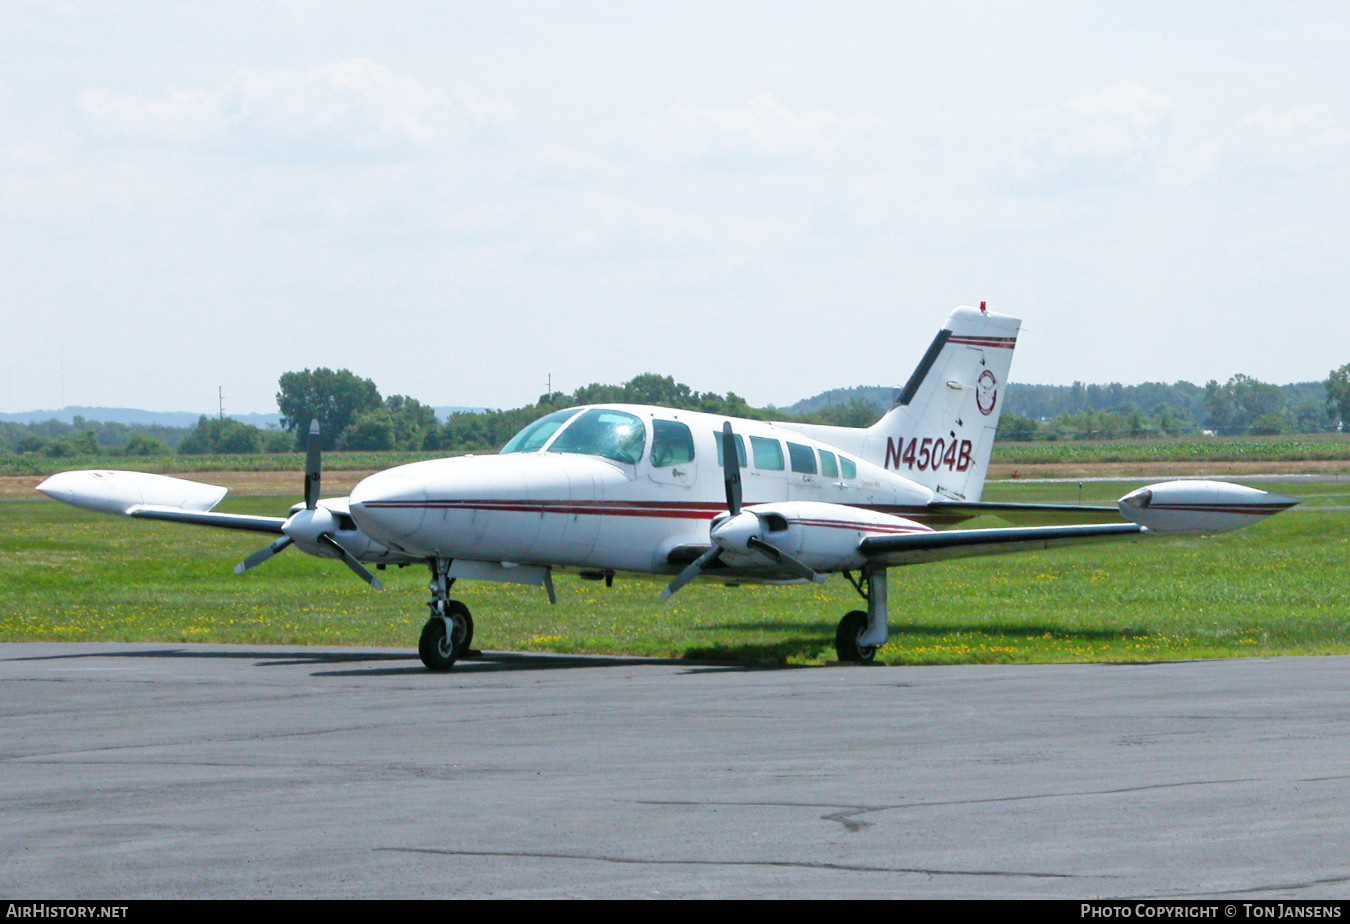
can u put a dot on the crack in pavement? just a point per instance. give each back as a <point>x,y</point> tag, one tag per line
<point>845,814</point>
<point>789,864</point>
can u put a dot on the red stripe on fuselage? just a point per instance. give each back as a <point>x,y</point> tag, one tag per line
<point>690,510</point>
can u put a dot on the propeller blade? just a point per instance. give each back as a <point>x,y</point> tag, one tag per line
<point>731,469</point>
<point>731,473</point>
<point>264,553</point>
<point>313,466</point>
<point>691,572</point>
<point>784,559</point>
<point>350,561</point>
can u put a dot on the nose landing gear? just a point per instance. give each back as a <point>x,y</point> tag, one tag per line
<point>448,633</point>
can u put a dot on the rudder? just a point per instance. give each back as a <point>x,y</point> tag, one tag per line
<point>940,432</point>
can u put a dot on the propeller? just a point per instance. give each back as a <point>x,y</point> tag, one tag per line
<point>737,531</point>
<point>314,525</point>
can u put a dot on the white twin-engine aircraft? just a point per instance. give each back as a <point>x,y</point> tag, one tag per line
<point>623,488</point>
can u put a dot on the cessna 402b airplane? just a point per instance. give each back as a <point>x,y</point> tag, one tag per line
<point>623,488</point>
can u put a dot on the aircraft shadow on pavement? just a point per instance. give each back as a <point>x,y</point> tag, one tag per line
<point>493,661</point>
<point>776,654</point>
<point>769,655</point>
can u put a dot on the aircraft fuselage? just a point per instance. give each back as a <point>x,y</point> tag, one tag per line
<point>580,511</point>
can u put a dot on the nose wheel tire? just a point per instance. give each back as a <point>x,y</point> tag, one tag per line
<point>446,638</point>
<point>460,614</point>
<point>851,628</point>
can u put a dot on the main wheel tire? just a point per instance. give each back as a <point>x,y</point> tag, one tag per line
<point>851,628</point>
<point>436,646</point>
<point>445,639</point>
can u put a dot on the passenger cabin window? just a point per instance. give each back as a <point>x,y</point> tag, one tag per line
<point>829,467</point>
<point>615,435</point>
<point>533,437</point>
<point>768,453</point>
<point>740,449</point>
<point>847,468</point>
<point>803,459</point>
<point>672,443</point>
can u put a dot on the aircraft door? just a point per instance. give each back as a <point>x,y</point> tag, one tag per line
<point>672,456</point>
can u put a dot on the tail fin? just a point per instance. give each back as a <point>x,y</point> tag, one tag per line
<point>940,431</point>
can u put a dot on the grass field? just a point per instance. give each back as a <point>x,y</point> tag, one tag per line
<point>1280,587</point>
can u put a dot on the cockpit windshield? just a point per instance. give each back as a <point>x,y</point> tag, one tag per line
<point>533,437</point>
<point>611,434</point>
<point>615,435</point>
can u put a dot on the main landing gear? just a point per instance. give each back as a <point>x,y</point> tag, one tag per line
<point>447,634</point>
<point>862,632</point>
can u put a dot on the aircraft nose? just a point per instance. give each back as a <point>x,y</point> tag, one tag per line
<point>389,505</point>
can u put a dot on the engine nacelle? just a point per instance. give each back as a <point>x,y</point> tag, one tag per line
<point>333,516</point>
<point>1200,507</point>
<point>822,536</point>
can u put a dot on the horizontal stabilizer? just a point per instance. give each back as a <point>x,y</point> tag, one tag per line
<point>913,548</point>
<point>1021,514</point>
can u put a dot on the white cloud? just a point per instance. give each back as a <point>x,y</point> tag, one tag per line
<point>1110,137</point>
<point>764,128</point>
<point>178,117</point>
<point>1300,138</point>
<point>357,106</point>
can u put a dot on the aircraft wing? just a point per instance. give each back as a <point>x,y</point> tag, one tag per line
<point>243,521</point>
<point>916,547</point>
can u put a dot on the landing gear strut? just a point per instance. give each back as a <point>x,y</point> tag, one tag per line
<point>860,632</point>
<point>447,634</point>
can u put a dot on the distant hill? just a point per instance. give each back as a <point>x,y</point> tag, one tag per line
<point>1044,402</point>
<point>880,396</point>
<point>185,420</point>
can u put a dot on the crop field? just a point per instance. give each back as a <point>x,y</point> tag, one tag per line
<point>1304,448</point>
<point>1280,587</point>
<point>1192,449</point>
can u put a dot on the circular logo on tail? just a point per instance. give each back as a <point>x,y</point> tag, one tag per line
<point>986,392</point>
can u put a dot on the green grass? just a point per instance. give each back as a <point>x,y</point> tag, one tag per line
<point>1277,588</point>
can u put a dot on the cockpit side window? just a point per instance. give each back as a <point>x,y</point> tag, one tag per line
<point>611,434</point>
<point>533,437</point>
<point>768,453</point>
<point>672,443</point>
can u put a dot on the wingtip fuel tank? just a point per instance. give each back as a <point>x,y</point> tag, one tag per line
<point>1200,507</point>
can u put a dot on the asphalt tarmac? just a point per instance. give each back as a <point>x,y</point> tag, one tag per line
<point>178,771</point>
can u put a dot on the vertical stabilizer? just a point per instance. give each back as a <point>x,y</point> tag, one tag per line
<point>940,431</point>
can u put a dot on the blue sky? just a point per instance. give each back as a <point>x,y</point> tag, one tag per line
<point>460,200</point>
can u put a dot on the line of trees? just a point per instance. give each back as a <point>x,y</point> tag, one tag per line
<point>355,416</point>
<point>1242,405</point>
